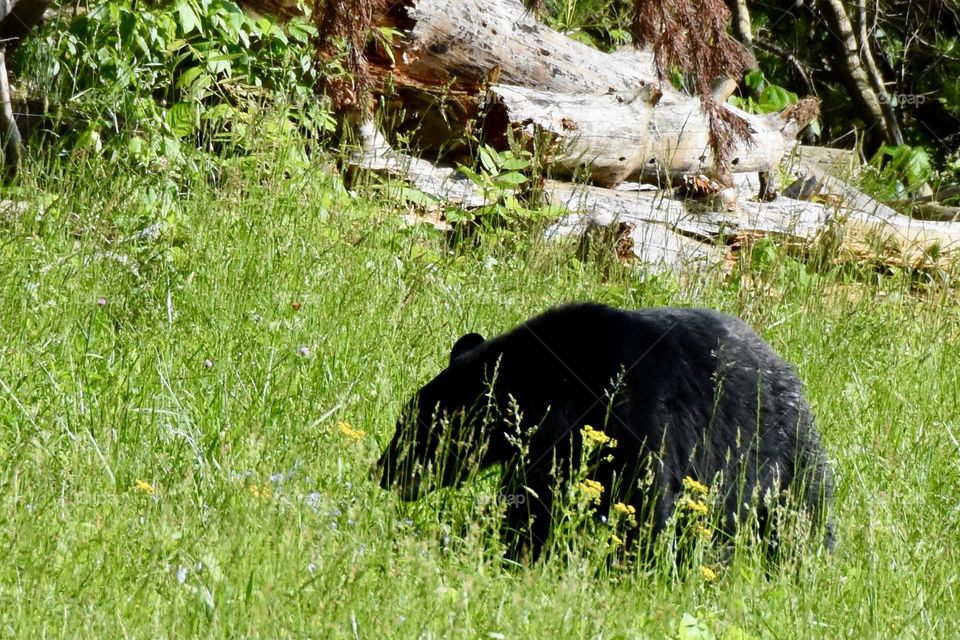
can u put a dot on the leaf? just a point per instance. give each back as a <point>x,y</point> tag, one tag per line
<point>172,150</point>
<point>90,139</point>
<point>919,167</point>
<point>417,197</point>
<point>487,159</point>
<point>509,180</point>
<point>754,80</point>
<point>137,147</point>
<point>127,27</point>
<point>188,76</point>
<point>513,163</point>
<point>222,63</point>
<point>690,628</point>
<point>188,18</point>
<point>278,35</point>
<point>774,98</point>
<point>473,176</point>
<point>221,111</point>
<point>454,215</point>
<point>181,119</point>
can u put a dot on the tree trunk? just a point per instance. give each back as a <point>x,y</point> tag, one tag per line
<point>862,228</point>
<point>876,79</point>
<point>17,18</point>
<point>741,25</point>
<point>606,135</point>
<point>855,76</point>
<point>12,143</point>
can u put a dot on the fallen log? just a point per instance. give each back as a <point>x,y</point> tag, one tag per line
<point>457,43</point>
<point>461,64</point>
<point>450,59</point>
<point>937,212</point>
<point>433,78</point>
<point>792,220</point>
<point>869,233</point>
<point>603,135</point>
<point>656,246</point>
<point>442,184</point>
<point>452,49</point>
<point>668,232</point>
<point>622,136</point>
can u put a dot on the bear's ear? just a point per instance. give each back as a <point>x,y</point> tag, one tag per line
<point>465,344</point>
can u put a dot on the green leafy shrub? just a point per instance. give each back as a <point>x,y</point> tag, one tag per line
<point>895,171</point>
<point>159,79</point>
<point>765,97</point>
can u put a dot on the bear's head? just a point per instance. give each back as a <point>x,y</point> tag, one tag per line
<point>443,431</point>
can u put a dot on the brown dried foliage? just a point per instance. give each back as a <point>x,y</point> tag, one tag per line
<point>343,27</point>
<point>535,6</point>
<point>691,35</point>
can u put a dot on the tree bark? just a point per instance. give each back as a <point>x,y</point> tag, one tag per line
<point>12,143</point>
<point>855,76</point>
<point>741,25</point>
<point>876,78</point>
<point>606,136</point>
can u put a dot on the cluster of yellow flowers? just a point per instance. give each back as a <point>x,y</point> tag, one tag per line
<point>591,489</point>
<point>626,511</point>
<point>261,491</point>
<point>695,487</point>
<point>593,437</point>
<point>144,487</point>
<point>350,432</point>
<point>696,506</point>
<point>694,502</point>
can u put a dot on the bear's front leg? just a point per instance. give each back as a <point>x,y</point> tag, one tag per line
<point>526,527</point>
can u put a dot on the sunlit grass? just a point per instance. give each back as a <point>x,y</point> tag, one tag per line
<point>189,424</point>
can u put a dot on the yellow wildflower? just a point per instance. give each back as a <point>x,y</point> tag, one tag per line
<point>261,491</point>
<point>704,532</point>
<point>350,432</point>
<point>592,437</point>
<point>591,489</point>
<point>624,509</point>
<point>708,574</point>
<point>693,486</point>
<point>617,542</point>
<point>696,506</point>
<point>144,487</point>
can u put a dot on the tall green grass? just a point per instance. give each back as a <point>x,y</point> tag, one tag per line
<point>189,424</point>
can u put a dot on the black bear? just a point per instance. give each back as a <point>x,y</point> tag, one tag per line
<point>686,394</point>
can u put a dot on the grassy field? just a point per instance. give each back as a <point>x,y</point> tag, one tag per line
<point>188,421</point>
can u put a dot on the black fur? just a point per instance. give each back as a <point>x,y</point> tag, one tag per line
<point>685,392</point>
